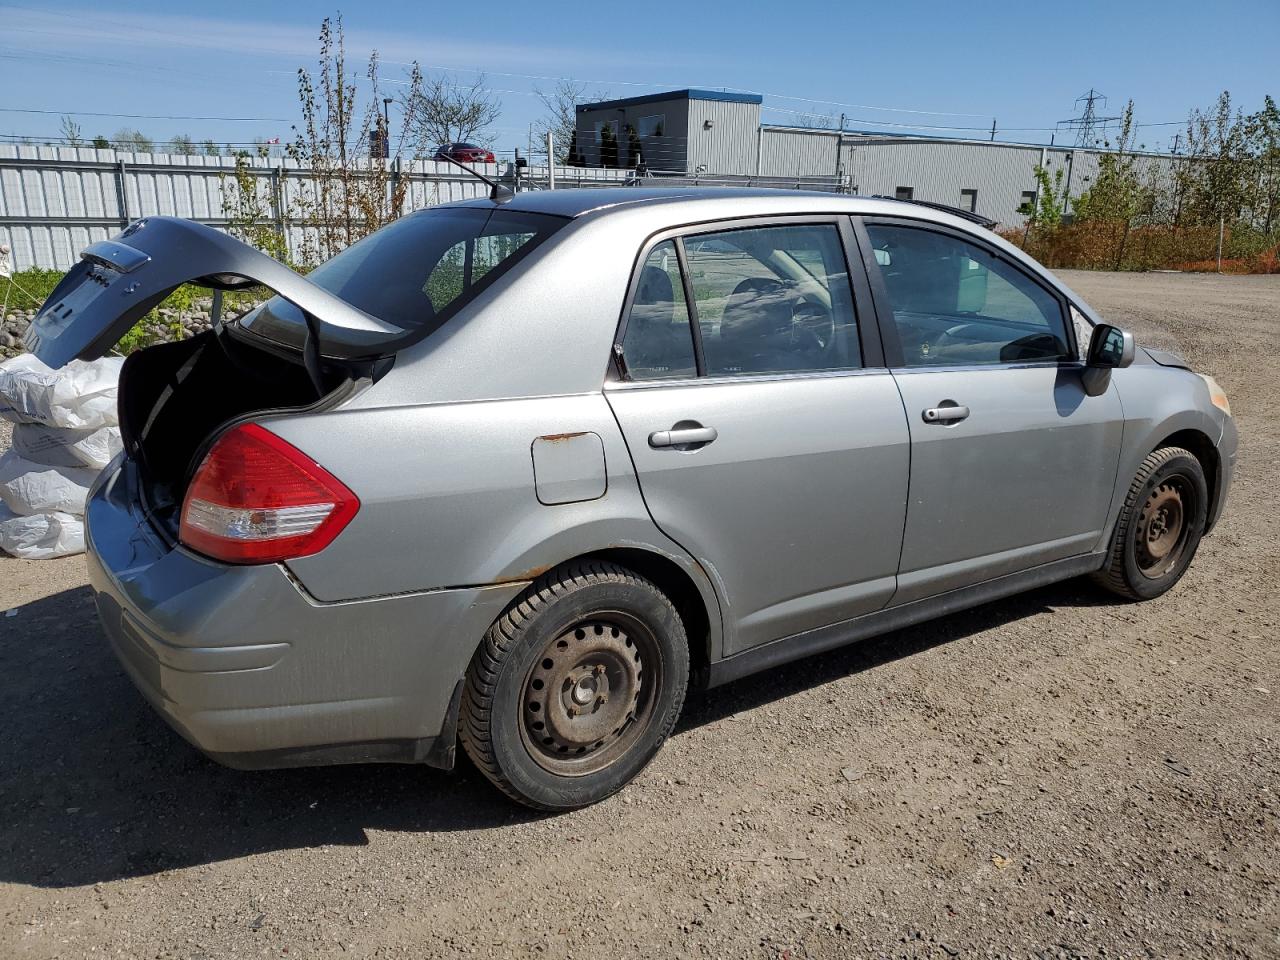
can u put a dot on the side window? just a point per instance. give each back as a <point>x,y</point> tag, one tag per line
<point>773,300</point>
<point>658,343</point>
<point>954,304</point>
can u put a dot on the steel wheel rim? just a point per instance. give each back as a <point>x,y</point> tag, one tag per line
<point>1163,528</point>
<point>589,694</point>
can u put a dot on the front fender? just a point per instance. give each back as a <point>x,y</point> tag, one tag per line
<point>1159,402</point>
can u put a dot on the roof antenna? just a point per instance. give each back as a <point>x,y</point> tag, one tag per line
<point>498,193</point>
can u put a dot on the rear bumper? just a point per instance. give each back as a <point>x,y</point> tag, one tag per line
<point>256,673</point>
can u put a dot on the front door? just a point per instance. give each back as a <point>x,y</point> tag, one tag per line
<point>762,444</point>
<point>1012,464</point>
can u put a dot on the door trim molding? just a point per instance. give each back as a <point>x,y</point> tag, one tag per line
<point>778,652</point>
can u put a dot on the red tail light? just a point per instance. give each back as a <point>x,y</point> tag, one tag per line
<point>257,499</point>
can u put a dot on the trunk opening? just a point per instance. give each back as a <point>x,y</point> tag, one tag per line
<point>175,398</point>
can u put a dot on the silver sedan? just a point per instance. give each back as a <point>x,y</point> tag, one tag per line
<point>516,473</point>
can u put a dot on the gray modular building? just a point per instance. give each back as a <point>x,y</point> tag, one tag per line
<point>684,131</point>
<point>710,134</point>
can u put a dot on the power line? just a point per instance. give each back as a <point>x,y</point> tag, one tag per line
<point>145,116</point>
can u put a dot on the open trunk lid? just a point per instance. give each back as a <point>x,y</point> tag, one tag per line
<point>117,281</point>
<point>376,297</point>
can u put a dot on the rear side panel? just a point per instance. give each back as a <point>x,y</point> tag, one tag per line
<point>449,497</point>
<point>241,661</point>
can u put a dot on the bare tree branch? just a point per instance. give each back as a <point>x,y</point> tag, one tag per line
<point>442,110</point>
<point>561,118</point>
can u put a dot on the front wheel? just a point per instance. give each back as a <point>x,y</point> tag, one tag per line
<point>1160,526</point>
<point>575,687</point>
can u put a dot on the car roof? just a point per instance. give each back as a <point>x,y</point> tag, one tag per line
<point>576,202</point>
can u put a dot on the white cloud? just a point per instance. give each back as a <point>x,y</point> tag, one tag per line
<point>120,32</point>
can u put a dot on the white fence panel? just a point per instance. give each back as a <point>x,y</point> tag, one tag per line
<point>54,201</point>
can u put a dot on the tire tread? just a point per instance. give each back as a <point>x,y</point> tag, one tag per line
<point>1112,575</point>
<point>482,677</point>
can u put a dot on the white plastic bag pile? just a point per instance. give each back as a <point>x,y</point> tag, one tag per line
<point>64,432</point>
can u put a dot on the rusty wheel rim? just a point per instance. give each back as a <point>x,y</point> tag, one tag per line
<point>588,695</point>
<point>1162,528</point>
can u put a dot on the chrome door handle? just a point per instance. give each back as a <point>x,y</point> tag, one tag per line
<point>684,436</point>
<point>947,413</point>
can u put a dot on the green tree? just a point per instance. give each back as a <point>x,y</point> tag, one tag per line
<point>1264,136</point>
<point>127,138</point>
<point>608,146</point>
<point>344,194</point>
<point>1120,192</point>
<point>183,145</point>
<point>1218,174</point>
<point>1117,192</point>
<point>209,148</point>
<point>248,207</point>
<point>633,147</point>
<point>1051,197</point>
<point>101,143</point>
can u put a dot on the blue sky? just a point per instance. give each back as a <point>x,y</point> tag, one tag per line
<point>886,65</point>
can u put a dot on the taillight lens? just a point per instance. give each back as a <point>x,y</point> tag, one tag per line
<point>257,499</point>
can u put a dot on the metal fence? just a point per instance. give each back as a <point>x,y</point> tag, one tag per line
<point>54,201</point>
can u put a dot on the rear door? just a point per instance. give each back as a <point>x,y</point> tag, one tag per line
<point>768,439</point>
<point>1012,463</point>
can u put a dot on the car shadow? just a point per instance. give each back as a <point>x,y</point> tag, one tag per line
<point>95,787</point>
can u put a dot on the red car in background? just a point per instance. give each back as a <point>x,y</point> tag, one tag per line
<point>464,153</point>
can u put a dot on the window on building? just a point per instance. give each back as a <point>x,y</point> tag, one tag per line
<point>602,125</point>
<point>969,200</point>
<point>654,126</point>
<point>1028,202</point>
<point>904,193</point>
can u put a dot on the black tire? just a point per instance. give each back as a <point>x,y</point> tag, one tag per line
<point>1161,522</point>
<point>575,687</point>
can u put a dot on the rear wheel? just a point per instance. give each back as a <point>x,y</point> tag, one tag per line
<point>1160,526</point>
<point>575,687</point>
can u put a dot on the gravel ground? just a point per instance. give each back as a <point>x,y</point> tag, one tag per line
<point>1055,775</point>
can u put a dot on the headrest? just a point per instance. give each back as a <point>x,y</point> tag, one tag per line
<point>655,297</point>
<point>757,307</point>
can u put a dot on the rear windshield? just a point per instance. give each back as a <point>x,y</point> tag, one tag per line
<point>422,269</point>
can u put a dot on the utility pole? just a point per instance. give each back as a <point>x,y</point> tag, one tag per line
<point>993,129</point>
<point>551,161</point>
<point>839,158</point>
<point>387,127</point>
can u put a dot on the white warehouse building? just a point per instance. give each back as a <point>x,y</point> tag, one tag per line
<point>713,135</point>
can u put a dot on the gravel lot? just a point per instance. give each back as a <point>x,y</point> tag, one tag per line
<point>1054,775</point>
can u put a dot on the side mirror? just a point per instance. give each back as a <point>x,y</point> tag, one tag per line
<point>1110,348</point>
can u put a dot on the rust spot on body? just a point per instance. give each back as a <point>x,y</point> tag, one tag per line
<point>562,437</point>
<point>533,573</point>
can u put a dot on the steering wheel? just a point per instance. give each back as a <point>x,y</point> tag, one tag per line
<point>812,324</point>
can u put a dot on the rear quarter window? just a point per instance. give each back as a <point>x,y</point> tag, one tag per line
<point>422,269</point>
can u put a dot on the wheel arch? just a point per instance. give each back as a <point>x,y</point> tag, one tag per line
<point>1199,444</point>
<point>701,625</point>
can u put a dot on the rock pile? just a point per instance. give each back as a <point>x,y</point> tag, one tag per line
<point>161,326</point>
